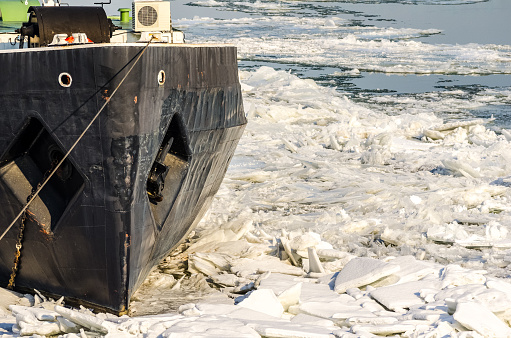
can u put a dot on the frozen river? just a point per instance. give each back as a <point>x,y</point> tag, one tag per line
<point>382,128</point>
<point>336,140</point>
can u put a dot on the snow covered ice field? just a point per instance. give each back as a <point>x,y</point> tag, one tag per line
<point>348,210</point>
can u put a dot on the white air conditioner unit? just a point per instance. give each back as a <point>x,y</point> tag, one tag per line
<point>151,16</point>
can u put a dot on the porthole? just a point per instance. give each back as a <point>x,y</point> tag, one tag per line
<point>65,80</point>
<point>161,77</point>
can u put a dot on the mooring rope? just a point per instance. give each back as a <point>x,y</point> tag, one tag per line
<point>76,142</point>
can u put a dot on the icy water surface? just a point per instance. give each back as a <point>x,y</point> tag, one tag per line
<point>370,134</point>
<point>349,105</point>
<point>339,96</point>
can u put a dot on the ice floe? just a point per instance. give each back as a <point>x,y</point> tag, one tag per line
<point>423,299</point>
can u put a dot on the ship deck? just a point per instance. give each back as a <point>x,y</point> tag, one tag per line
<point>9,42</point>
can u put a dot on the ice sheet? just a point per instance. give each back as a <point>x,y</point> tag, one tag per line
<point>338,183</point>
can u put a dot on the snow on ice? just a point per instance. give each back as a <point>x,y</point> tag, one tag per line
<point>334,220</point>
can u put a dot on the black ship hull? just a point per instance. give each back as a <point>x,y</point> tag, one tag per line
<point>95,231</point>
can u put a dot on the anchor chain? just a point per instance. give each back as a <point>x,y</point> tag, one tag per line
<point>19,242</point>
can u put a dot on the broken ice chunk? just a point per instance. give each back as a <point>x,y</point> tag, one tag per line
<point>292,256</point>
<point>385,281</point>
<point>402,296</point>
<point>492,299</point>
<point>68,326</point>
<point>369,304</point>
<point>301,243</point>
<point>455,275</point>
<point>227,279</point>
<point>42,329</point>
<point>412,269</point>
<point>370,320</point>
<point>243,267</point>
<point>333,254</point>
<point>8,297</point>
<point>303,319</point>
<point>200,264</point>
<point>86,320</point>
<point>321,293</point>
<point>23,313</point>
<point>278,282</point>
<point>355,293</point>
<point>329,310</point>
<point>478,318</point>
<point>265,301</point>
<point>430,316</point>
<point>500,285</point>
<point>291,330</point>
<point>461,124</point>
<point>462,167</point>
<point>383,330</point>
<point>208,326</point>
<point>362,271</point>
<point>189,310</point>
<point>314,263</point>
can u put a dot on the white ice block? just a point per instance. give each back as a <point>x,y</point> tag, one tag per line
<point>331,310</point>
<point>290,296</point>
<point>245,266</point>
<point>290,330</point>
<point>361,271</point>
<point>476,317</point>
<point>402,296</point>
<point>264,301</point>
<point>314,262</point>
<point>411,269</point>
